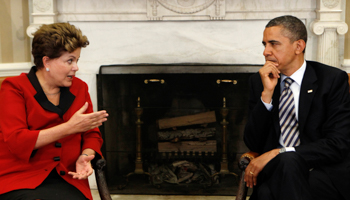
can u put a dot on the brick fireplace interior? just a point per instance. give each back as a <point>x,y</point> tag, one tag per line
<point>165,131</point>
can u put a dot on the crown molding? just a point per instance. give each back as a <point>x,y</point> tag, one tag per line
<point>14,69</point>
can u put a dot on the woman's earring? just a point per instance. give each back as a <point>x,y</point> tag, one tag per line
<point>47,69</point>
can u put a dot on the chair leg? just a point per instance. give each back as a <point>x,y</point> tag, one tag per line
<point>242,189</point>
<point>101,180</point>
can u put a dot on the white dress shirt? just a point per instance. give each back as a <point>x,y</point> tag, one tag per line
<point>295,87</point>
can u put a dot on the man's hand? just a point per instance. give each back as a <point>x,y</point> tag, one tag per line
<point>269,74</point>
<point>83,167</point>
<point>256,165</point>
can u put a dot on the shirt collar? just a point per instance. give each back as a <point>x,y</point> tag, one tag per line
<point>296,76</point>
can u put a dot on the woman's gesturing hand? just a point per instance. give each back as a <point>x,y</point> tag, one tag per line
<point>83,167</point>
<point>81,122</point>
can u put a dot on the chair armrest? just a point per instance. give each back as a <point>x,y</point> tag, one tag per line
<point>242,164</point>
<point>246,158</point>
<point>101,179</point>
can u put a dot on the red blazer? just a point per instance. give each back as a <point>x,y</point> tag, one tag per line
<point>24,111</point>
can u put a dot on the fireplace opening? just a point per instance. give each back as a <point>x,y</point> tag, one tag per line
<point>173,129</point>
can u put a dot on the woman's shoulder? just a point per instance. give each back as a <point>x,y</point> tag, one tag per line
<point>78,82</point>
<point>16,80</point>
<point>78,86</point>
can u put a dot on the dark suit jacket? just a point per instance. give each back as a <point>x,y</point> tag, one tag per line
<point>24,111</point>
<point>324,121</point>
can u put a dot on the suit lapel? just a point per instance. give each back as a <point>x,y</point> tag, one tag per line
<point>307,92</point>
<point>275,110</point>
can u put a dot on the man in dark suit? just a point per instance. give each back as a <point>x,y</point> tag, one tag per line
<point>304,150</point>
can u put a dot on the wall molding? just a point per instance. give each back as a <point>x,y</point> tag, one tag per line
<point>346,65</point>
<point>142,16</point>
<point>14,69</point>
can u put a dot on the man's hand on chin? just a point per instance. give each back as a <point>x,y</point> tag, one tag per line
<point>269,74</point>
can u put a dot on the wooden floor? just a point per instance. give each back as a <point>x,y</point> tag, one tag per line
<point>162,197</point>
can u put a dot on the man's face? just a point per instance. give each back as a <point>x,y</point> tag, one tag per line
<point>279,49</point>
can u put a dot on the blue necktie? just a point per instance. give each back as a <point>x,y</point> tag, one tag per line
<point>288,121</point>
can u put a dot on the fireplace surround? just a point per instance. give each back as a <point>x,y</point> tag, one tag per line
<point>138,96</point>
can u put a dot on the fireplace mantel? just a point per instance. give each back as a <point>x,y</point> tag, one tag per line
<point>324,18</point>
<point>178,31</point>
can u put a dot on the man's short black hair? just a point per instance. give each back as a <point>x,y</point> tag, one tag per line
<point>292,27</point>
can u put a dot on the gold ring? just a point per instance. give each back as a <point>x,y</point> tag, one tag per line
<point>251,173</point>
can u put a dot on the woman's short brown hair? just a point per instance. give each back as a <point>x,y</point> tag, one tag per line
<point>52,40</point>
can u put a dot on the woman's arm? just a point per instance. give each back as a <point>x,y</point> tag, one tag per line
<point>78,123</point>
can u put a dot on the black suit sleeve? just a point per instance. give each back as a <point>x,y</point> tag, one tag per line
<point>259,131</point>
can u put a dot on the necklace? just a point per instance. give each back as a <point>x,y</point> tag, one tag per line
<point>52,93</point>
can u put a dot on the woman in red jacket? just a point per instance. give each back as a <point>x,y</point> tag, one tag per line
<point>48,131</point>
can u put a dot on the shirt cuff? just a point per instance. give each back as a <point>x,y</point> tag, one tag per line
<point>290,149</point>
<point>268,106</point>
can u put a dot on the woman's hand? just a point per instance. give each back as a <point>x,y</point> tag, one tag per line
<point>83,167</point>
<point>78,123</point>
<point>81,122</point>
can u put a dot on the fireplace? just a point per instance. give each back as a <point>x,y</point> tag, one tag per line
<point>173,128</point>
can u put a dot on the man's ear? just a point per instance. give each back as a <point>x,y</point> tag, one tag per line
<point>300,46</point>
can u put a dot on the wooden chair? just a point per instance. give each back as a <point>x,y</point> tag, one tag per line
<point>101,179</point>
<point>243,163</point>
<point>99,172</point>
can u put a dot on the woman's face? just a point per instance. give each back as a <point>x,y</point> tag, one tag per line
<point>62,69</point>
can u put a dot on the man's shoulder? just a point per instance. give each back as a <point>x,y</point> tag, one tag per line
<point>326,76</point>
<point>326,72</point>
<point>321,67</point>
